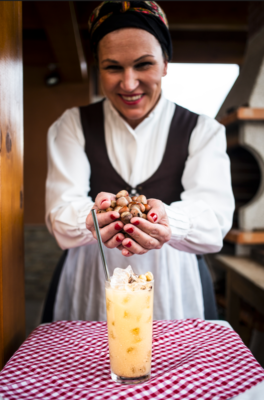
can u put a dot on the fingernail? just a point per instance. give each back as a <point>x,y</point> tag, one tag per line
<point>154,217</point>
<point>130,230</point>
<point>136,223</point>
<point>117,227</point>
<point>118,239</point>
<point>129,244</point>
<point>113,217</point>
<point>103,201</point>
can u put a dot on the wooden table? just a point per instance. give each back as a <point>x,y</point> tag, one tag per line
<point>245,279</point>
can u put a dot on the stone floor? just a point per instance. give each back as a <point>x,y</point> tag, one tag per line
<point>41,257</point>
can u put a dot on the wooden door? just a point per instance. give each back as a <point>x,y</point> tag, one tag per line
<point>12,308</point>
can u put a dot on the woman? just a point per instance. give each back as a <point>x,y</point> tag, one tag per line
<point>139,141</point>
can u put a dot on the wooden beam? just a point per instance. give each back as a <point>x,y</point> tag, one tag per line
<point>199,12</point>
<point>12,300</point>
<point>60,23</point>
<point>208,51</point>
<point>243,114</point>
<point>208,27</point>
<point>243,237</point>
<point>78,41</point>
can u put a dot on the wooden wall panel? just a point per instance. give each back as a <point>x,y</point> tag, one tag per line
<point>42,106</point>
<point>12,319</point>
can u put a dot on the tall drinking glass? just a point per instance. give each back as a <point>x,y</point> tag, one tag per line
<point>129,322</point>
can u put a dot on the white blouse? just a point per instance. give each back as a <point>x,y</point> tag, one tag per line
<point>198,222</point>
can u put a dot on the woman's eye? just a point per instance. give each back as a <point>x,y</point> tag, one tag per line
<point>114,67</point>
<point>143,65</point>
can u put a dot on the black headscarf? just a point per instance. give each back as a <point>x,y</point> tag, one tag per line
<point>147,15</point>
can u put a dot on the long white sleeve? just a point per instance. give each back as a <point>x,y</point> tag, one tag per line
<point>67,184</point>
<point>200,221</point>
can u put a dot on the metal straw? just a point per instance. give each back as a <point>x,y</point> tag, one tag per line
<point>98,234</point>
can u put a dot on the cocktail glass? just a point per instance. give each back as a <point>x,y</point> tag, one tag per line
<point>129,322</point>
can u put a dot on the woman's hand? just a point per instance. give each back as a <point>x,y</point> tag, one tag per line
<point>148,234</point>
<point>108,228</point>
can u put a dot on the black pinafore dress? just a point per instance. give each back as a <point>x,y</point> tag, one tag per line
<point>165,184</point>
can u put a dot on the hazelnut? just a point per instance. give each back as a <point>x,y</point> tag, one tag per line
<point>142,199</point>
<point>144,216</point>
<point>143,277</point>
<point>109,209</point>
<point>149,276</point>
<point>100,211</point>
<point>142,207</point>
<point>128,199</point>
<point>113,204</point>
<point>132,205</point>
<point>123,209</point>
<point>121,201</point>
<point>117,208</point>
<point>122,193</point>
<point>147,207</point>
<point>126,217</point>
<point>134,198</point>
<point>135,212</point>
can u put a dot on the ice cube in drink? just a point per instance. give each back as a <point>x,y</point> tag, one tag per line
<point>129,309</point>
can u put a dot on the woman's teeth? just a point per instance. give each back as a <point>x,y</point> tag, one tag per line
<point>132,98</point>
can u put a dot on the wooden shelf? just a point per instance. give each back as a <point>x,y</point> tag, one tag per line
<point>243,114</point>
<point>245,237</point>
<point>245,267</point>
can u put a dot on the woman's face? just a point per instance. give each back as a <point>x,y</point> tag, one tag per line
<point>131,66</point>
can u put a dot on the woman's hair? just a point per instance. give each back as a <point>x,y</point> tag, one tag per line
<point>147,15</point>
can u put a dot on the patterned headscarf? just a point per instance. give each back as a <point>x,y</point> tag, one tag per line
<point>147,15</point>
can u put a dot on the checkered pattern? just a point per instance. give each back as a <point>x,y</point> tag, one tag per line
<point>192,359</point>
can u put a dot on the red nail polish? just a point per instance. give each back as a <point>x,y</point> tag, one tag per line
<point>103,201</point>
<point>136,223</point>
<point>113,217</point>
<point>154,217</point>
<point>118,239</point>
<point>117,227</point>
<point>129,244</point>
<point>130,230</point>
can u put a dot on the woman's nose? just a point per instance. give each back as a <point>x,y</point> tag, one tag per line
<point>129,81</point>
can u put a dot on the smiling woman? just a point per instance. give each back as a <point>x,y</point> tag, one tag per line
<point>131,80</point>
<point>136,140</point>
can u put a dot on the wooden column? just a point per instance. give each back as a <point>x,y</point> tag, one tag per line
<point>12,308</point>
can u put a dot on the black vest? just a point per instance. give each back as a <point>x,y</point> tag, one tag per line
<point>165,184</point>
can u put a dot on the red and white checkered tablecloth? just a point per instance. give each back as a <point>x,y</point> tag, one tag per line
<point>68,360</point>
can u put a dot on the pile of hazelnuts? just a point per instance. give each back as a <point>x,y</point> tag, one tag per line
<point>128,207</point>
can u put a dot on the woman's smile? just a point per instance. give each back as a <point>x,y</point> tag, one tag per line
<point>131,100</point>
